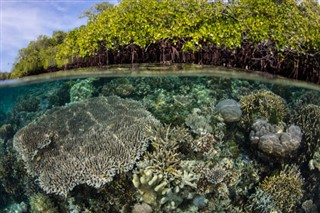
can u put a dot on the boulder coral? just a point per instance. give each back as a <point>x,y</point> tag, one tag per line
<point>230,110</point>
<point>84,143</point>
<point>273,141</point>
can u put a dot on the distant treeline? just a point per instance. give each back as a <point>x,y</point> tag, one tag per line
<point>277,36</point>
<point>4,75</point>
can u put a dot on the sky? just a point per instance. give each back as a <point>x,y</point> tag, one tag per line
<point>22,21</point>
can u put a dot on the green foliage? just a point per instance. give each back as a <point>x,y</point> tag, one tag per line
<point>4,75</point>
<point>287,24</point>
<point>38,56</point>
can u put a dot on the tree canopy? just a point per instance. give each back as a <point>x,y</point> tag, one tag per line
<point>150,29</point>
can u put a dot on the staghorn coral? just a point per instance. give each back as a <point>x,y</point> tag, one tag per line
<point>84,143</point>
<point>262,104</point>
<point>308,118</point>
<point>285,188</point>
<point>272,141</point>
<point>230,110</point>
<point>262,202</point>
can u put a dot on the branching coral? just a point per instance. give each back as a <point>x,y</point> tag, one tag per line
<point>285,188</point>
<point>262,104</point>
<point>84,143</point>
<point>162,178</point>
<point>261,201</point>
<point>308,118</point>
<point>82,90</point>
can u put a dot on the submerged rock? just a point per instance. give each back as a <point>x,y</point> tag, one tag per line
<point>84,143</point>
<point>230,110</point>
<point>271,140</point>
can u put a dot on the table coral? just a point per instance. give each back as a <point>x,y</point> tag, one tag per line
<point>84,143</point>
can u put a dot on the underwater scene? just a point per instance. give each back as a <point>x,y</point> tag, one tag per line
<point>166,143</point>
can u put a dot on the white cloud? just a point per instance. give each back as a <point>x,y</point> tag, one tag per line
<point>23,21</point>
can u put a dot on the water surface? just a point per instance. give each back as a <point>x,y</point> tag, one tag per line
<point>152,138</point>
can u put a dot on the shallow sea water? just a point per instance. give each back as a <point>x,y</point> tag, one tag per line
<point>153,138</point>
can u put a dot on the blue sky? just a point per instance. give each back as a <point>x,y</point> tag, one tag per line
<point>24,20</point>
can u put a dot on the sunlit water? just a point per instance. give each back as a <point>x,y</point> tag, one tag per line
<point>152,138</point>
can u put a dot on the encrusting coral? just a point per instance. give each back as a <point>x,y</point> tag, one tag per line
<point>84,143</point>
<point>262,104</point>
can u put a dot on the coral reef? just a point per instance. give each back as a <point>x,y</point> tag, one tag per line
<point>285,188</point>
<point>99,138</point>
<point>82,90</point>
<point>13,176</point>
<point>16,208</point>
<point>308,118</point>
<point>198,124</point>
<point>273,141</point>
<point>309,207</point>
<point>141,208</point>
<point>61,95</point>
<point>120,86</point>
<point>163,178</point>
<point>262,202</point>
<point>6,131</point>
<point>204,144</point>
<point>40,203</point>
<point>229,109</point>
<point>262,104</point>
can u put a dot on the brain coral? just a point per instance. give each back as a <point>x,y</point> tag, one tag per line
<point>271,140</point>
<point>84,143</point>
